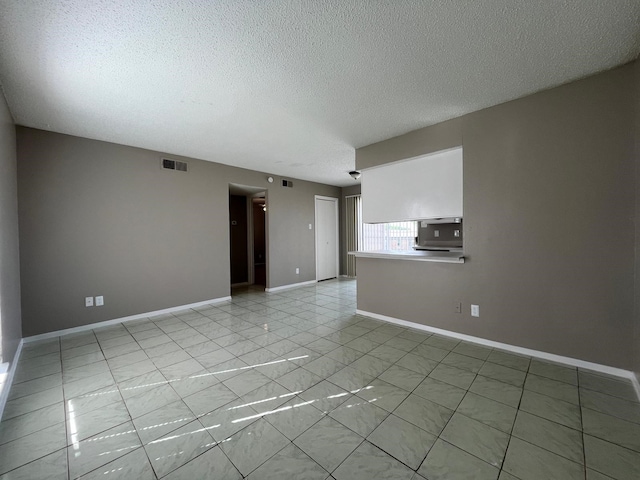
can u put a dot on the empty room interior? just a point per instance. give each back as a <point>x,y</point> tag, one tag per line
<point>320,240</point>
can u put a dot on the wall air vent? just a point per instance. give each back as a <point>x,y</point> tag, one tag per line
<point>174,165</point>
<point>168,164</point>
<point>287,183</point>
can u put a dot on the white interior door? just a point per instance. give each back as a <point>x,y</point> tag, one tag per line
<point>326,238</point>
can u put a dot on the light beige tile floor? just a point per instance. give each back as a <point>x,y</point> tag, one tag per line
<point>295,385</point>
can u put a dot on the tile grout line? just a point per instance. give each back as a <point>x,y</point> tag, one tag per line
<point>514,422</point>
<point>307,328</point>
<point>584,454</point>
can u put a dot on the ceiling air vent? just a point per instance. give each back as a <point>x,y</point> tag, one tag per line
<point>169,164</point>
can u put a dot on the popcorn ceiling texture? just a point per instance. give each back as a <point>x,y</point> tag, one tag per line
<point>291,87</point>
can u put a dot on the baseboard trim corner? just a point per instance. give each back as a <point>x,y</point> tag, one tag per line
<point>290,286</point>
<point>6,386</point>
<point>552,357</point>
<point>635,380</point>
<point>107,323</point>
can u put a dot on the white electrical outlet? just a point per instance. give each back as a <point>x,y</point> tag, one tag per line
<point>99,301</point>
<point>297,271</point>
<point>475,310</point>
<point>88,301</point>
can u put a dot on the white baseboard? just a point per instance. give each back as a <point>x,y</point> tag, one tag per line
<point>574,362</point>
<point>106,323</point>
<point>636,384</point>
<point>8,381</point>
<point>292,285</point>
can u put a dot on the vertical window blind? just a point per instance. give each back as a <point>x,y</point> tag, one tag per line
<point>352,205</point>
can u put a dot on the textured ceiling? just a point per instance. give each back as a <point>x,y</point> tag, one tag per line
<point>291,87</point>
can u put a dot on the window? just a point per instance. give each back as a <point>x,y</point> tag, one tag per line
<point>385,236</point>
<point>374,236</point>
<point>389,236</point>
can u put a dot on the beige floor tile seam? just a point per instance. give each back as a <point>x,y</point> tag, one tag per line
<point>378,447</point>
<point>39,458</point>
<point>582,423</point>
<point>454,412</point>
<point>390,413</point>
<point>511,436</point>
<point>466,389</point>
<point>518,409</point>
<point>584,452</point>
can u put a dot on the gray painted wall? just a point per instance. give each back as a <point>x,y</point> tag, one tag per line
<point>549,216</point>
<point>11,329</point>
<point>103,219</point>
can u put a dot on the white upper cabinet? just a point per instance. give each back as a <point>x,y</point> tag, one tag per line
<point>429,186</point>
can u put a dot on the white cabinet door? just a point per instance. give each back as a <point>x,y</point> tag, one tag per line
<point>429,186</point>
<point>326,238</point>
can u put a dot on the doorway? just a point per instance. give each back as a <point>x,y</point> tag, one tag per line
<point>259,211</point>
<point>247,237</point>
<point>327,246</point>
<point>238,228</point>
